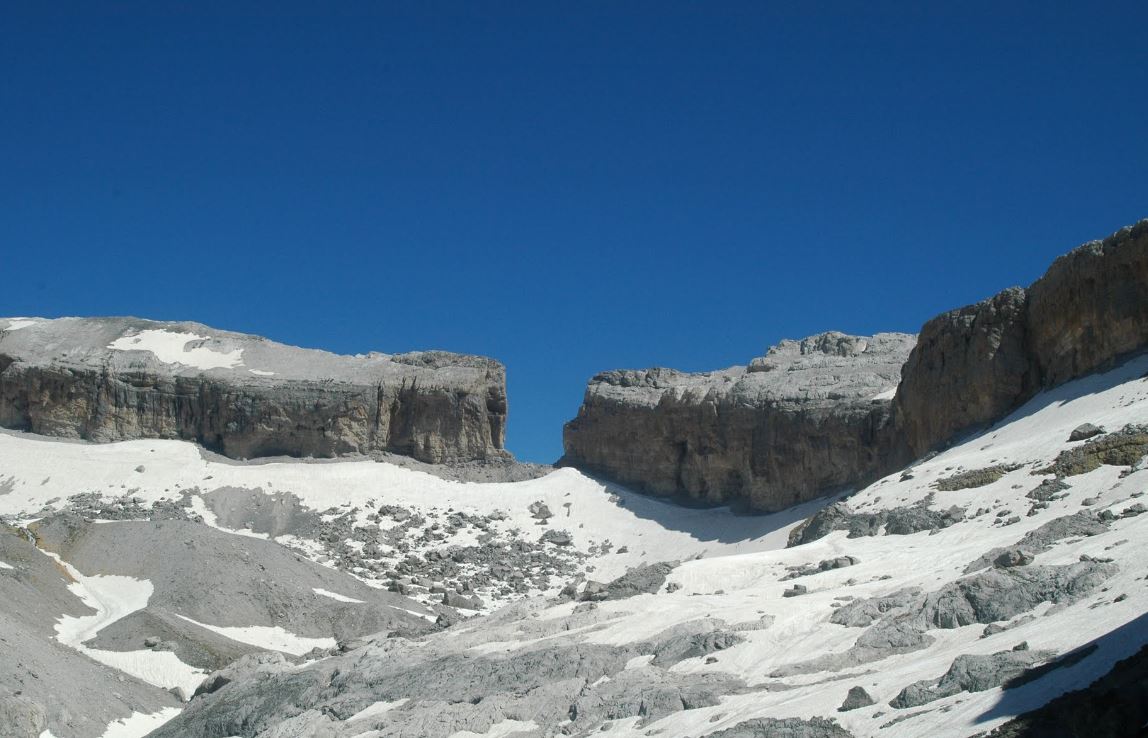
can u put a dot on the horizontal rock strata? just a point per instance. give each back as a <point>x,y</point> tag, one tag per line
<point>112,379</point>
<point>807,416</point>
<point>820,414</point>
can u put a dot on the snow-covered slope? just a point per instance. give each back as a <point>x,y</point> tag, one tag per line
<point>741,634</point>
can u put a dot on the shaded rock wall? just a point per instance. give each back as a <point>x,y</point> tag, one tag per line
<point>244,396</point>
<point>806,417</point>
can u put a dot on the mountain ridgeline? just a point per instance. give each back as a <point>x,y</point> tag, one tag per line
<point>821,414</point>
<point>113,379</point>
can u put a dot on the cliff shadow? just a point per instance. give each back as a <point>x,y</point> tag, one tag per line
<point>1129,369</point>
<point>724,524</point>
<point>1060,689</point>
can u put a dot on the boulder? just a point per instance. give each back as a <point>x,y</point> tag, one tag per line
<point>856,699</point>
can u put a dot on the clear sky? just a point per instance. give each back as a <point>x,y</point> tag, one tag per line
<point>568,187</point>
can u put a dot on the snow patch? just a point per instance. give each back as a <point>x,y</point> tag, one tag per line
<point>172,348</point>
<point>270,637</point>
<point>500,730</point>
<point>375,709</point>
<point>261,373</point>
<point>17,323</point>
<point>114,597</point>
<point>336,596</point>
<point>4,565</point>
<point>139,724</point>
<point>886,395</point>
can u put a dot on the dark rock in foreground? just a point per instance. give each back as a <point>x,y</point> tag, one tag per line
<point>1114,706</point>
<point>112,379</point>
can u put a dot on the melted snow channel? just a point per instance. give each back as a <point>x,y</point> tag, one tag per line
<point>171,348</point>
<point>114,597</point>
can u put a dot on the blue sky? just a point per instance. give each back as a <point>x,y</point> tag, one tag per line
<point>567,187</point>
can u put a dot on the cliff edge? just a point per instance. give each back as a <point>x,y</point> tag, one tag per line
<point>112,379</point>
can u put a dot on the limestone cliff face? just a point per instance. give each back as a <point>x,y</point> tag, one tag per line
<point>972,366</point>
<point>808,416</point>
<point>110,379</point>
<point>819,414</point>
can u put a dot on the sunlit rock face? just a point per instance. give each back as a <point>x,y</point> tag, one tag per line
<point>973,365</point>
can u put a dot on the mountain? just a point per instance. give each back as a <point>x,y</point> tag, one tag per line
<point>808,416</point>
<point>355,597</point>
<point>207,535</point>
<point>112,379</point>
<point>834,411</point>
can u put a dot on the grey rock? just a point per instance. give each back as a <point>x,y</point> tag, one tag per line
<point>1122,448</point>
<point>795,591</point>
<point>20,716</point>
<point>898,521</point>
<point>540,511</point>
<point>856,699</point>
<point>798,421</point>
<point>901,621</point>
<point>972,366</point>
<point>1013,556</point>
<point>1048,490</point>
<point>1078,525</point>
<point>453,599</point>
<point>838,562</point>
<point>1084,431</point>
<point>434,406</point>
<point>784,728</point>
<point>690,646</point>
<point>975,477</point>
<point>557,537</point>
<point>863,613</point>
<point>970,673</point>
<point>1001,594</point>
<point>641,580</point>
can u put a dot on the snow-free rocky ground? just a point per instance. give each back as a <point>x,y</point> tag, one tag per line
<point>362,598</point>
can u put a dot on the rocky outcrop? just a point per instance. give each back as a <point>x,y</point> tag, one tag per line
<point>808,416</point>
<point>972,366</point>
<point>815,415</point>
<point>971,673</point>
<point>111,379</point>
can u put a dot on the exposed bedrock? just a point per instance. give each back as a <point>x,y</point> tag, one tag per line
<point>806,417</point>
<point>972,366</point>
<point>820,414</point>
<point>111,379</point>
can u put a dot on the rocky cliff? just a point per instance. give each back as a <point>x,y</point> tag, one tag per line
<point>819,414</point>
<point>111,379</point>
<point>973,365</point>
<point>808,416</point>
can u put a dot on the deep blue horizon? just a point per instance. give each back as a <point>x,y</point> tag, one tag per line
<point>568,189</point>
